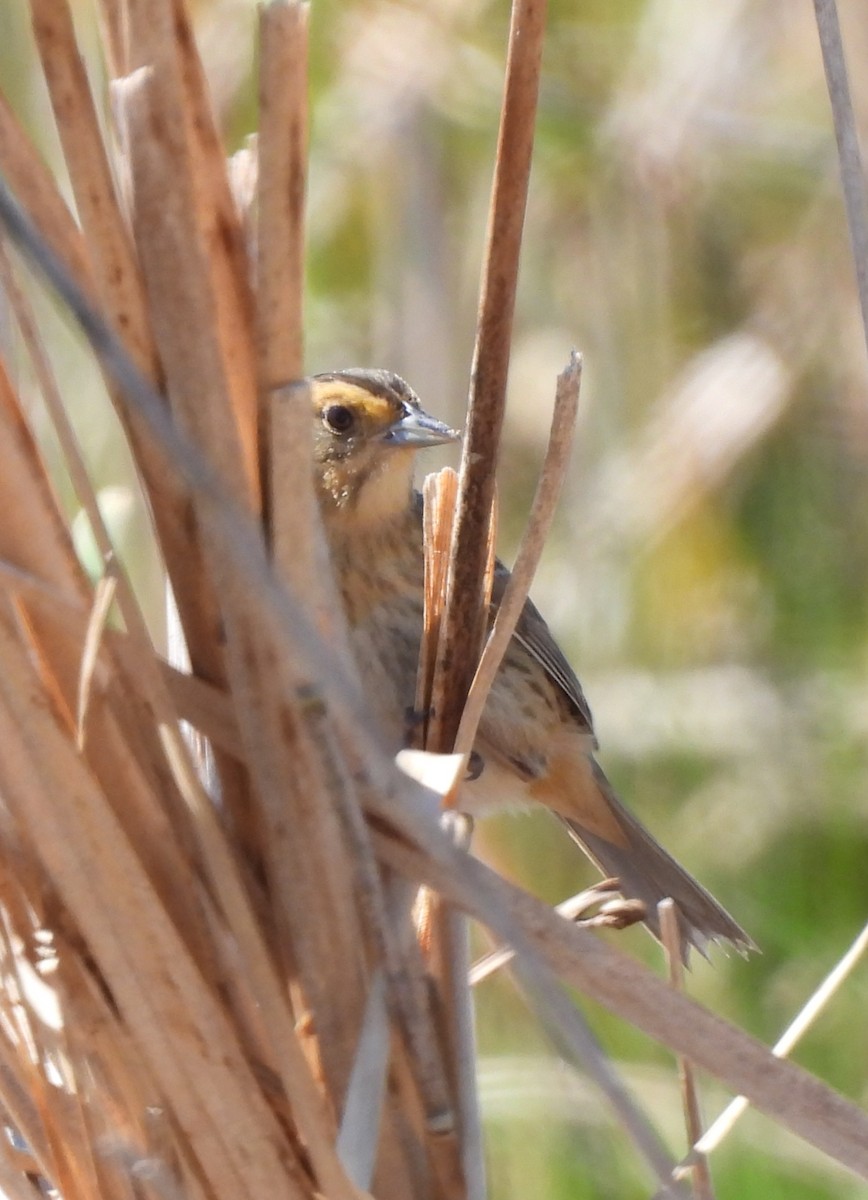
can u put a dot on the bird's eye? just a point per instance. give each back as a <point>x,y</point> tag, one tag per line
<point>339,418</point>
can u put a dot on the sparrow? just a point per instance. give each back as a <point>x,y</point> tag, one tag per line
<point>536,740</point>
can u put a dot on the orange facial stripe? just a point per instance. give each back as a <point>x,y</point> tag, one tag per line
<point>378,411</point>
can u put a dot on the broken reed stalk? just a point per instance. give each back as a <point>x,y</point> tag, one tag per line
<point>441,930</point>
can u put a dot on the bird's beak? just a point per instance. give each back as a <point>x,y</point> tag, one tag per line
<point>416,429</point>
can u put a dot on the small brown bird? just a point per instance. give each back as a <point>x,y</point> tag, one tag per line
<point>536,737</point>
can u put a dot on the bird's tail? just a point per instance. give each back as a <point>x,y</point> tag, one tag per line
<point>647,873</point>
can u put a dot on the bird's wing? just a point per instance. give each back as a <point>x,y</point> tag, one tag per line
<point>535,636</point>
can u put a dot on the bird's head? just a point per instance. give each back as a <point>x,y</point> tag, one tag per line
<point>368,427</point>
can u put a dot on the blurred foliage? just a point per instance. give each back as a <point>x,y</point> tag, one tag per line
<point>708,571</point>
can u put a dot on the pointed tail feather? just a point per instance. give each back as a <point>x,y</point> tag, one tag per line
<point>647,873</point>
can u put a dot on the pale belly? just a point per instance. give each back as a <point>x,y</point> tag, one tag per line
<point>508,742</point>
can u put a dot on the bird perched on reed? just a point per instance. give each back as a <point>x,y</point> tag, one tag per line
<point>535,739</point>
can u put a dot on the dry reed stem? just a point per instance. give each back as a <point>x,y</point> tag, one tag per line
<point>23,315</point>
<point>336,1190</point>
<point>847,139</point>
<point>361,1123</point>
<point>14,1172</point>
<point>527,560</point>
<point>116,273</point>
<point>73,1048</point>
<point>282,151</point>
<point>72,1164</point>
<point>177,156</point>
<point>463,619</point>
<point>305,851</point>
<point>407,994</point>
<point>439,495</point>
<point>13,1177</point>
<point>155,983</point>
<point>74,459</point>
<point>40,542</point>
<point>670,935</point>
<point>442,932</point>
<point>31,182</point>
<point>182,280</point>
<point>447,932</point>
<point>114,31</point>
<point>291,513</point>
<point>119,285</point>
<point>174,519</point>
<point>436,1116</point>
<point>176,260</point>
<point>130,1110</point>
<point>22,1085</point>
<point>312,1120</point>
<point>146,669</point>
<point>104,595</point>
<point>225,242</point>
<point>38,539</point>
<point>449,958</point>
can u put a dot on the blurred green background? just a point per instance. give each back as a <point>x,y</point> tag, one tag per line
<point>707,573</point>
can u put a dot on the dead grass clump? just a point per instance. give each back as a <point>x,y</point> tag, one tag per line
<point>212,985</point>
